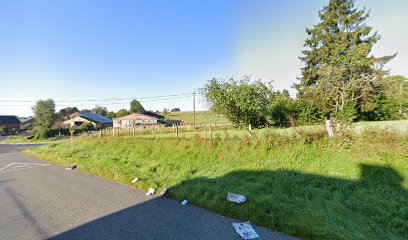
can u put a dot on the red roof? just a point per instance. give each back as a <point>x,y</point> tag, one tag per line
<point>136,116</point>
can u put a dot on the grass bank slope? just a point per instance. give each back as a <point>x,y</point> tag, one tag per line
<point>305,185</point>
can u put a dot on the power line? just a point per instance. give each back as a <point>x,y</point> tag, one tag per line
<point>114,103</point>
<point>102,100</point>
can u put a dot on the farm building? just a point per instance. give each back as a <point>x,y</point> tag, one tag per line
<point>11,124</point>
<point>78,118</point>
<point>133,120</point>
<point>152,114</point>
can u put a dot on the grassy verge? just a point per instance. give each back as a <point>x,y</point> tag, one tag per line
<point>19,139</point>
<point>303,184</point>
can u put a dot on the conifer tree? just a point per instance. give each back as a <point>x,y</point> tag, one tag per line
<point>338,66</point>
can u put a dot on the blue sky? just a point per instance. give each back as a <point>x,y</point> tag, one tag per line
<point>71,49</point>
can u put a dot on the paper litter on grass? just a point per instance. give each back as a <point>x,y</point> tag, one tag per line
<point>164,191</point>
<point>236,198</point>
<point>184,202</point>
<point>151,191</point>
<point>72,167</point>
<point>245,230</point>
<point>135,180</point>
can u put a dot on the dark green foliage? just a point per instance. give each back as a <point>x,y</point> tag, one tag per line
<point>111,115</point>
<point>282,109</point>
<point>45,117</point>
<point>66,112</point>
<point>54,132</point>
<point>122,112</point>
<point>136,107</point>
<point>175,110</point>
<point>86,111</point>
<point>100,110</point>
<point>87,126</point>
<point>339,69</point>
<point>389,100</point>
<point>2,130</point>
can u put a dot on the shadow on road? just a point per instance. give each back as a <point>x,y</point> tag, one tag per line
<point>311,206</point>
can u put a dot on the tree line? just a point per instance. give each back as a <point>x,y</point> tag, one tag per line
<point>340,80</point>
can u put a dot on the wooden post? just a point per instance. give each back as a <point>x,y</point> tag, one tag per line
<point>210,132</point>
<point>72,139</point>
<point>134,132</point>
<point>194,115</point>
<point>249,128</point>
<point>177,131</point>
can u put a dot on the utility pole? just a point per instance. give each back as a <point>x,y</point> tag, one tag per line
<point>194,121</point>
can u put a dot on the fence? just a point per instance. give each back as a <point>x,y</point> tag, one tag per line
<point>141,130</point>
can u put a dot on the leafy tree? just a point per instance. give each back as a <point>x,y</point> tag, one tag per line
<point>165,111</point>
<point>44,115</point>
<point>86,111</point>
<point>282,109</point>
<point>2,130</point>
<point>87,126</point>
<point>175,110</point>
<point>100,110</point>
<point>121,113</point>
<point>389,100</point>
<point>136,107</point>
<point>66,112</point>
<point>242,102</point>
<point>111,115</point>
<point>339,70</point>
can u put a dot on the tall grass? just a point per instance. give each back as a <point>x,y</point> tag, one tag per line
<point>299,182</point>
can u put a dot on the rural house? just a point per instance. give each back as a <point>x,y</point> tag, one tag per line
<point>78,118</point>
<point>11,124</point>
<point>134,119</point>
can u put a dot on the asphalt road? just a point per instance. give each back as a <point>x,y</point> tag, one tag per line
<point>44,201</point>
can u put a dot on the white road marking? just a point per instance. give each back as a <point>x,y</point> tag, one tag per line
<point>21,166</point>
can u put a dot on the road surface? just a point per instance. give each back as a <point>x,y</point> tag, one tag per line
<point>44,201</point>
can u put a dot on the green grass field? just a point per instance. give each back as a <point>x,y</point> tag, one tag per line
<point>302,184</point>
<point>223,131</point>
<point>202,117</point>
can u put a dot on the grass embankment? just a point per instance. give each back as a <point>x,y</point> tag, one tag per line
<point>202,117</point>
<point>302,184</point>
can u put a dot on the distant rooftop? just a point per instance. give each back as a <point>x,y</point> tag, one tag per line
<point>94,117</point>
<point>4,119</point>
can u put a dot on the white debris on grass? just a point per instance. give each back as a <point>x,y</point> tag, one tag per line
<point>151,191</point>
<point>72,167</point>
<point>236,198</point>
<point>184,202</point>
<point>135,180</point>
<point>164,191</point>
<point>245,230</point>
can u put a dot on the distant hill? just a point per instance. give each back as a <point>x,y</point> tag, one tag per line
<point>202,117</point>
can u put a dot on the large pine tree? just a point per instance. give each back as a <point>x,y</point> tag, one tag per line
<point>339,68</point>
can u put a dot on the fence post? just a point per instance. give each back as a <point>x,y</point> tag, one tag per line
<point>177,131</point>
